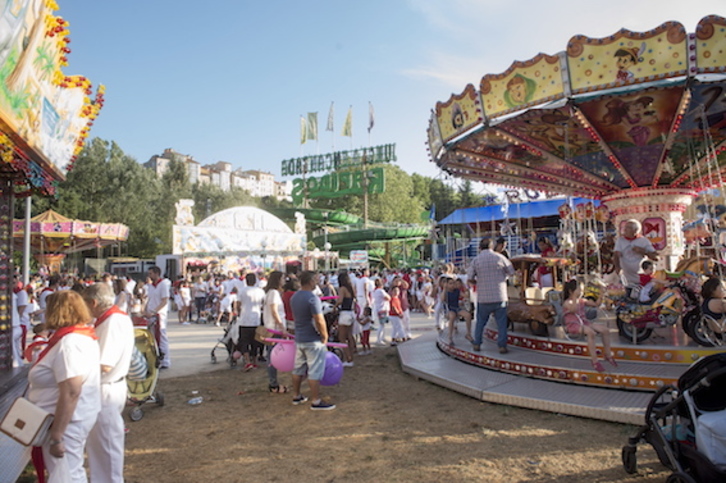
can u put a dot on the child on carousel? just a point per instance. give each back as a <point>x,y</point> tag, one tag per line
<point>576,322</point>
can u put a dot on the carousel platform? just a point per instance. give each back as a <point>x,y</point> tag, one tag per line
<point>554,374</point>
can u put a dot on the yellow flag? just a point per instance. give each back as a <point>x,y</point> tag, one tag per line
<point>348,124</point>
<point>312,126</point>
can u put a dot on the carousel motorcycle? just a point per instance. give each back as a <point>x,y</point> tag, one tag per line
<point>636,320</point>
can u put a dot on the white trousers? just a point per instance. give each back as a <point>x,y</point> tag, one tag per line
<point>74,439</point>
<point>164,341</point>
<point>397,327</point>
<point>105,446</point>
<point>17,346</point>
<point>406,321</point>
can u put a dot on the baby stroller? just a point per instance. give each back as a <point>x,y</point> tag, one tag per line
<point>142,391</point>
<point>330,313</point>
<point>226,341</point>
<point>687,426</point>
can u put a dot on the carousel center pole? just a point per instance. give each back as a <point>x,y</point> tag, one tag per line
<point>660,212</point>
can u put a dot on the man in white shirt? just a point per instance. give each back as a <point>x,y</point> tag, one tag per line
<point>362,293</point>
<point>105,445</point>
<point>53,283</point>
<point>631,248</point>
<point>158,292</point>
<point>250,302</point>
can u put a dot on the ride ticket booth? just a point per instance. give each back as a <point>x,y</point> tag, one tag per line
<point>45,118</point>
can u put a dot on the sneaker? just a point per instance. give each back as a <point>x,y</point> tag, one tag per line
<point>322,406</point>
<point>503,350</point>
<point>348,364</point>
<point>185,323</point>
<point>299,400</point>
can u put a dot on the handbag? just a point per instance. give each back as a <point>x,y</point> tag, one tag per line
<point>26,423</point>
<point>261,333</point>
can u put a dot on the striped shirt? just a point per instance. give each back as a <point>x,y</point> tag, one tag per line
<point>490,271</point>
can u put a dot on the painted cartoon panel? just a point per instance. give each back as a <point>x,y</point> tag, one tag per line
<point>434,137</point>
<point>711,44</point>
<point>687,161</point>
<point>524,84</point>
<point>654,229</point>
<point>51,112</point>
<point>460,113</point>
<point>635,127</point>
<point>627,57</point>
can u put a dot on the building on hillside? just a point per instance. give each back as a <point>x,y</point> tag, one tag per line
<point>257,183</point>
<point>160,163</point>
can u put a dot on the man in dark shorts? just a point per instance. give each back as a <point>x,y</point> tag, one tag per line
<point>311,337</point>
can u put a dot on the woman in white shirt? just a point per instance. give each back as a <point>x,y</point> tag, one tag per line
<point>66,381</point>
<point>122,296</point>
<point>273,316</point>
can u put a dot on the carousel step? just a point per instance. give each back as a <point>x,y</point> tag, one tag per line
<point>420,358</point>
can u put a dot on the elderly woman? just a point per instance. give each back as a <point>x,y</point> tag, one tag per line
<point>65,380</point>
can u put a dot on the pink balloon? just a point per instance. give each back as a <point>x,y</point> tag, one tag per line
<point>236,355</point>
<point>283,357</point>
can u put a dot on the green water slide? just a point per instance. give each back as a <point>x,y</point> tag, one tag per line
<point>348,232</point>
<point>320,217</point>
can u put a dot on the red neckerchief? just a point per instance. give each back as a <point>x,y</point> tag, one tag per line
<point>48,289</point>
<point>156,284</point>
<point>113,310</point>
<point>631,239</point>
<point>62,332</point>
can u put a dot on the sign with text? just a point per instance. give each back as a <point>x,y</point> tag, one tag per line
<point>358,257</point>
<point>342,159</point>
<point>338,183</point>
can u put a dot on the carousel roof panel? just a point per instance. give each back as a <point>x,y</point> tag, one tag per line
<point>632,110</point>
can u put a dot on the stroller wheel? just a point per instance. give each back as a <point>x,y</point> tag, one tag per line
<point>680,477</point>
<point>136,414</point>
<point>159,396</point>
<point>630,459</point>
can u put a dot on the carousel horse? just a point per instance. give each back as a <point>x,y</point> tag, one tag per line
<point>698,265</point>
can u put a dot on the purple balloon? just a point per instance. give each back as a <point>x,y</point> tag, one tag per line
<point>282,357</point>
<point>333,370</point>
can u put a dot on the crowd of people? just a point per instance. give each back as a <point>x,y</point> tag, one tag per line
<point>83,338</point>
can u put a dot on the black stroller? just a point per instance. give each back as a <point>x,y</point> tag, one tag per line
<point>227,341</point>
<point>687,425</point>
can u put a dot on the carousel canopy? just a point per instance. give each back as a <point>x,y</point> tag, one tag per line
<point>51,232</point>
<point>626,112</point>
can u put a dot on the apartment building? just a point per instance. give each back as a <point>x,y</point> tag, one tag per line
<point>257,183</point>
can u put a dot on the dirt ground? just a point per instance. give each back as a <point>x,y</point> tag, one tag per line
<point>388,426</point>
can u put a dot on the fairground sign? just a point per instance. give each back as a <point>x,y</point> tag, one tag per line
<point>337,184</point>
<point>342,159</point>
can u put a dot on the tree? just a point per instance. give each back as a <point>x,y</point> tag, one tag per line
<point>467,197</point>
<point>444,197</point>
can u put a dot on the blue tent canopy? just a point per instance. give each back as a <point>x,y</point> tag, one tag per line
<point>531,209</point>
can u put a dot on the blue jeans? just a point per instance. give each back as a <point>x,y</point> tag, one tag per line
<point>483,311</point>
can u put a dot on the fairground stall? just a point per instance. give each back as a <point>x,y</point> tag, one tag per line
<point>53,236</point>
<point>236,238</point>
<point>636,120</point>
<point>45,118</point>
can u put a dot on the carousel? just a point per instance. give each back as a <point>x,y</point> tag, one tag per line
<point>637,121</point>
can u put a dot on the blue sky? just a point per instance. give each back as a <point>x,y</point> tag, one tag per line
<point>228,79</point>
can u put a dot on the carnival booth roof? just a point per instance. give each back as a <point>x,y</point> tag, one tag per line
<point>632,111</point>
<point>51,232</point>
<point>531,209</point>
